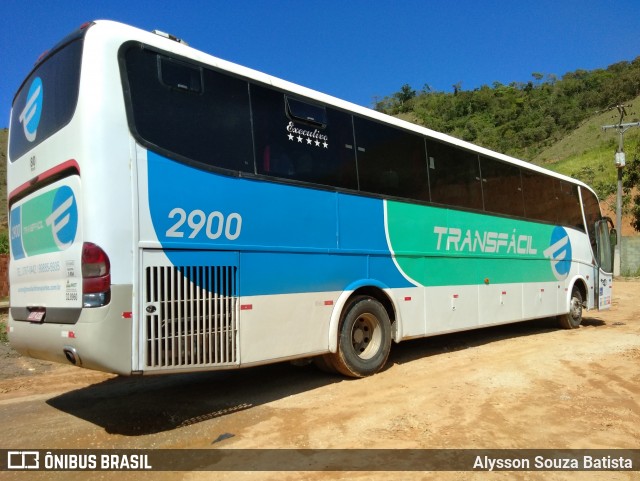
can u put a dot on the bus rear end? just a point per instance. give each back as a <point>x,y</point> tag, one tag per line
<point>61,294</point>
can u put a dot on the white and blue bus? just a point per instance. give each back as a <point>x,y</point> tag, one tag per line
<point>171,212</point>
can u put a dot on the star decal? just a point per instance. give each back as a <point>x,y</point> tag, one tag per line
<point>313,138</point>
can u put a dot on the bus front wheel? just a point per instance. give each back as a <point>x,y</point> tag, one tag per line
<point>364,338</point>
<point>573,318</point>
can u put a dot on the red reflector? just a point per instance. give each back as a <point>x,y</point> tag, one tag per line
<point>246,307</point>
<point>408,298</point>
<point>455,296</point>
<point>504,293</point>
<point>127,315</point>
<point>328,303</point>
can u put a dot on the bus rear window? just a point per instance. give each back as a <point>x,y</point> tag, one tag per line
<point>46,101</point>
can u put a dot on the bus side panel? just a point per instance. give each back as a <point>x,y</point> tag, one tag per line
<point>298,248</point>
<point>539,300</point>
<point>451,308</point>
<point>499,303</point>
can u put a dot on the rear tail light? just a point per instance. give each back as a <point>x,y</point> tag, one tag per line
<point>96,276</point>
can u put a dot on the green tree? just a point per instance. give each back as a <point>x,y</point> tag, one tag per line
<point>631,183</point>
<point>404,96</point>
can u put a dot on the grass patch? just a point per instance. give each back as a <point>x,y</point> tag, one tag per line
<point>4,337</point>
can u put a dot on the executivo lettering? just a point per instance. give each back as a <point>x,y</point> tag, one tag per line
<point>454,239</point>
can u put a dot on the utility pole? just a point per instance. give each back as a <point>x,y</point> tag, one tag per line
<point>620,163</point>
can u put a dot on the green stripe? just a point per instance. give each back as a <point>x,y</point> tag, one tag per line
<point>438,246</point>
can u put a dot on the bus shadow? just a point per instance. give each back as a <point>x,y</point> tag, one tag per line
<point>136,406</point>
<point>458,341</point>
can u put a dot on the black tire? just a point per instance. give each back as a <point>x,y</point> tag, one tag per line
<point>364,338</point>
<point>573,318</point>
<point>324,363</point>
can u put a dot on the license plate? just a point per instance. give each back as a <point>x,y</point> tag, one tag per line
<point>36,316</point>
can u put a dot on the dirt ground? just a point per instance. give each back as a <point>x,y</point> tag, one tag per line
<point>527,385</point>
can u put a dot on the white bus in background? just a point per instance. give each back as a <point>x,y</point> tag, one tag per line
<point>172,212</point>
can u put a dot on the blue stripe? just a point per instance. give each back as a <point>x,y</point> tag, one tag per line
<point>291,239</point>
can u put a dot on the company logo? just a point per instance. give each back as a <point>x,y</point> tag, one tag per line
<point>30,116</point>
<point>470,240</point>
<point>23,460</point>
<point>46,223</point>
<point>64,218</point>
<point>559,252</point>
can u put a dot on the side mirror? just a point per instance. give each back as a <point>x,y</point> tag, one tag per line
<point>613,241</point>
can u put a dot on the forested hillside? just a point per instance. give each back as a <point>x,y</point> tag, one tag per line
<point>551,121</point>
<point>520,119</point>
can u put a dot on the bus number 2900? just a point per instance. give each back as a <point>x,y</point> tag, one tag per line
<point>214,225</point>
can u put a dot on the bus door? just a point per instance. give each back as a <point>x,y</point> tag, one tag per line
<point>606,240</point>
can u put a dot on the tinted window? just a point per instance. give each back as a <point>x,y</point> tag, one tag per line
<point>180,75</point>
<point>591,213</point>
<point>292,149</point>
<point>390,161</point>
<point>454,176</point>
<point>569,211</point>
<point>46,101</point>
<point>501,187</point>
<point>539,197</point>
<point>196,113</point>
<point>306,112</point>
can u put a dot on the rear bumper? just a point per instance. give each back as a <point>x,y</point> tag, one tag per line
<point>101,339</point>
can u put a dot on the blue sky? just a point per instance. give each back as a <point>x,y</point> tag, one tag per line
<point>353,49</point>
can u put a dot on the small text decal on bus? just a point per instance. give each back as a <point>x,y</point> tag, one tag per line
<point>310,137</point>
<point>30,116</point>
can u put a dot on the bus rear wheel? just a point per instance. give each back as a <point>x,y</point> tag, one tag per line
<point>364,339</point>
<point>573,318</point>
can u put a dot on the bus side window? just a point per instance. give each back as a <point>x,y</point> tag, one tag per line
<point>540,202</point>
<point>302,141</point>
<point>501,187</point>
<point>570,212</point>
<point>189,112</point>
<point>454,176</point>
<point>391,161</point>
<point>179,75</point>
